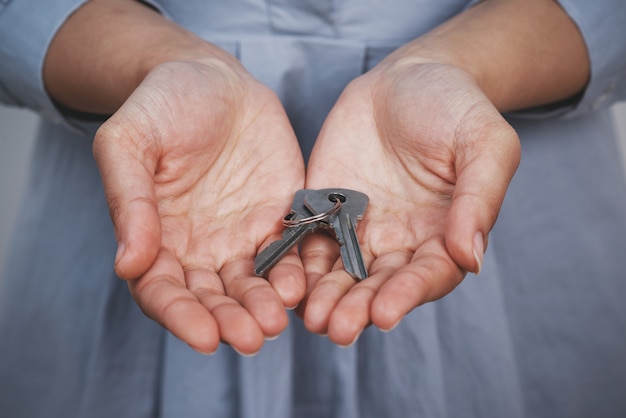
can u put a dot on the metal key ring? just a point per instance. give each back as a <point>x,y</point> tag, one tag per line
<point>292,223</point>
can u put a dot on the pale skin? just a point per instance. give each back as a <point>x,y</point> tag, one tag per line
<point>194,137</point>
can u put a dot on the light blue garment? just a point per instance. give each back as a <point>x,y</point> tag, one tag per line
<point>540,333</point>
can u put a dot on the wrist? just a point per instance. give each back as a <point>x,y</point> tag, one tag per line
<point>107,47</point>
<point>520,53</point>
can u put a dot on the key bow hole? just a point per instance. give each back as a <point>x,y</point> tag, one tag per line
<point>334,197</point>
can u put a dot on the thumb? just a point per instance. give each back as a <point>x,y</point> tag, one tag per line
<point>485,165</point>
<point>128,178</point>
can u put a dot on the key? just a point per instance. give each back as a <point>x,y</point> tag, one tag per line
<point>343,223</point>
<point>291,236</point>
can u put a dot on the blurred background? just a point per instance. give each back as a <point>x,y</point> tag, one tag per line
<point>17,128</point>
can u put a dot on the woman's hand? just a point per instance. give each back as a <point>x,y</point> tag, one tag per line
<point>435,157</point>
<point>196,164</point>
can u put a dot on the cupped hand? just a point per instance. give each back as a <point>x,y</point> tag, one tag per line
<point>196,165</point>
<point>435,157</point>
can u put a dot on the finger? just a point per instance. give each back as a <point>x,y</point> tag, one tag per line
<point>322,300</point>
<point>352,313</point>
<point>287,279</point>
<point>485,167</point>
<point>162,295</point>
<point>256,295</point>
<point>236,326</point>
<point>129,189</point>
<point>287,276</point>
<point>430,275</point>
<point>319,253</point>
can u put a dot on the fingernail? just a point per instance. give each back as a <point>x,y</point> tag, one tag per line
<point>391,328</point>
<point>244,354</point>
<point>351,343</point>
<point>204,353</point>
<point>121,249</point>
<point>478,250</point>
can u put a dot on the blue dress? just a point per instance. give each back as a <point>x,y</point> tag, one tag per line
<point>541,332</point>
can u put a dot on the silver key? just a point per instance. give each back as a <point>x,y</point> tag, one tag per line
<point>291,235</point>
<point>343,222</point>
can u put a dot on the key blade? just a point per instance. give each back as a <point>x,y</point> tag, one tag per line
<point>351,249</point>
<point>270,256</point>
<point>343,223</point>
<point>277,249</point>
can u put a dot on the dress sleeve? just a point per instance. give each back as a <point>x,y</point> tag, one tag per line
<point>602,24</point>
<point>26,29</point>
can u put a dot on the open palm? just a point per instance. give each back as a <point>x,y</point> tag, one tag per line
<point>435,158</point>
<point>196,166</point>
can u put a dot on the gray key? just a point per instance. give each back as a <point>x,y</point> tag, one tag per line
<point>291,236</point>
<point>343,222</point>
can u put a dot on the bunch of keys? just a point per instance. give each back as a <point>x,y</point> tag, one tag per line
<point>335,209</point>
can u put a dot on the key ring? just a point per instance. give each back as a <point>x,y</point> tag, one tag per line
<point>293,223</point>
